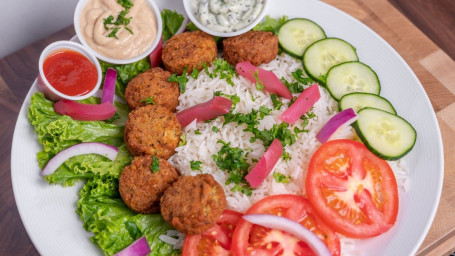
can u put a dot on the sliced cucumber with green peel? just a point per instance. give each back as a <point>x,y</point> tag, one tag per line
<point>349,77</point>
<point>386,135</point>
<point>359,100</point>
<point>320,56</point>
<point>296,35</point>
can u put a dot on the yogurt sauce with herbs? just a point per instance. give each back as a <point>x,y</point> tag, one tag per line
<point>226,15</point>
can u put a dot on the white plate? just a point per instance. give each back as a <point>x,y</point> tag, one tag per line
<point>48,212</point>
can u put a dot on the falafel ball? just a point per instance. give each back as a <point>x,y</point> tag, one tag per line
<point>141,186</point>
<point>257,47</point>
<point>189,49</point>
<point>152,130</point>
<point>193,204</point>
<point>152,83</point>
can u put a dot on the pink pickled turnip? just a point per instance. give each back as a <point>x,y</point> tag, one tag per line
<point>205,111</point>
<point>268,79</point>
<point>304,102</point>
<point>265,165</point>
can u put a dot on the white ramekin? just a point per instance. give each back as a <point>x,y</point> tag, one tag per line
<point>43,84</point>
<point>190,13</point>
<point>80,5</point>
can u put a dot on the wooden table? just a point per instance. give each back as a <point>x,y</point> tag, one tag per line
<point>434,68</point>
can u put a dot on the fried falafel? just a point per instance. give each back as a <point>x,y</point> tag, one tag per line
<point>257,47</point>
<point>152,130</point>
<point>152,85</point>
<point>141,185</point>
<point>190,50</point>
<point>193,204</point>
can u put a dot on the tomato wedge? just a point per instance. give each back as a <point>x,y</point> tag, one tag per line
<point>250,239</point>
<point>216,240</point>
<point>353,190</point>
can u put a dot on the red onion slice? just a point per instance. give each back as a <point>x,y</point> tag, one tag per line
<point>106,150</point>
<point>265,165</point>
<point>139,247</point>
<point>291,227</point>
<point>341,119</point>
<point>109,86</point>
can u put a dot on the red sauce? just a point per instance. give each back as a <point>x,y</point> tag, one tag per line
<point>70,72</point>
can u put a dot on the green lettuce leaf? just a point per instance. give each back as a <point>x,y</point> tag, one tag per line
<point>271,24</point>
<point>56,132</point>
<point>83,167</point>
<point>172,21</point>
<point>114,225</point>
<point>126,72</point>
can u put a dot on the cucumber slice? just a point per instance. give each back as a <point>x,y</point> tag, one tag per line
<point>388,136</point>
<point>351,77</point>
<point>359,100</point>
<point>320,56</point>
<point>296,35</point>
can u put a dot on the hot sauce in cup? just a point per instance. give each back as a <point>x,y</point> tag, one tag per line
<point>70,72</point>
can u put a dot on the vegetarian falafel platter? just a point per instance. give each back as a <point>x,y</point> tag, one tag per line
<point>297,136</point>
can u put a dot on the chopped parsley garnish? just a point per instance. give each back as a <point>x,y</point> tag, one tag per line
<point>196,165</point>
<point>122,21</point>
<point>264,111</point>
<point>195,73</point>
<point>232,161</point>
<point>215,129</point>
<point>281,178</point>
<point>251,120</point>
<point>149,100</point>
<point>234,98</point>
<point>155,167</point>
<point>113,33</point>
<point>297,130</point>
<point>280,132</point>
<point>285,156</point>
<point>259,83</point>
<point>300,77</point>
<point>125,3</point>
<point>295,87</point>
<point>197,132</point>
<point>182,80</point>
<point>182,141</point>
<point>221,69</point>
<point>276,102</point>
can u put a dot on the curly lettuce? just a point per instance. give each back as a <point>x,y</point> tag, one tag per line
<point>56,132</point>
<point>114,225</point>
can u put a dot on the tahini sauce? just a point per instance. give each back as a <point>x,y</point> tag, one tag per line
<point>143,25</point>
<point>226,15</point>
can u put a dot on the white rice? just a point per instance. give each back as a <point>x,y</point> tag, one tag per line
<point>202,147</point>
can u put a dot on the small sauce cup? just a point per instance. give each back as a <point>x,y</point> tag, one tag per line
<point>80,6</point>
<point>194,19</point>
<point>43,84</point>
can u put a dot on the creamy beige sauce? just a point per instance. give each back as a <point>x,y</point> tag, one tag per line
<point>143,25</point>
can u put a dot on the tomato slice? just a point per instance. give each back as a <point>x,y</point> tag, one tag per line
<point>353,190</point>
<point>216,240</point>
<point>250,239</point>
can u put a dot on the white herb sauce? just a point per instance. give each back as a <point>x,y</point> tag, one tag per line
<point>226,15</point>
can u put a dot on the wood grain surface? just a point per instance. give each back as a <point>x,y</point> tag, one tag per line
<point>432,65</point>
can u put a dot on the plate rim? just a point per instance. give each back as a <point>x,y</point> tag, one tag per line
<point>413,76</point>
